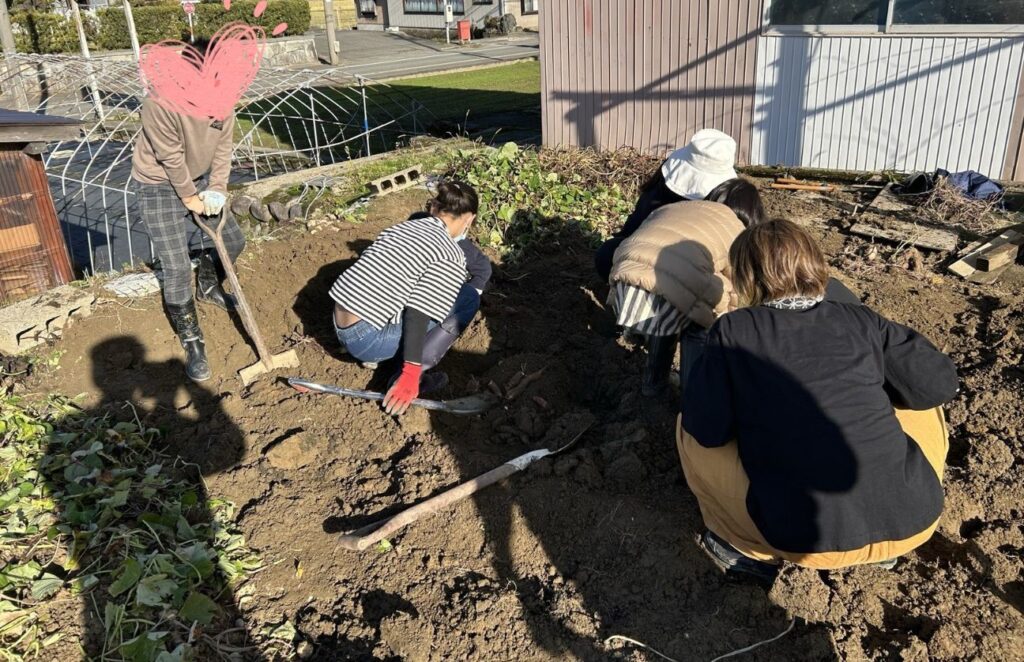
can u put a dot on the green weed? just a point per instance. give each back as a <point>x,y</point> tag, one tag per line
<point>94,517</point>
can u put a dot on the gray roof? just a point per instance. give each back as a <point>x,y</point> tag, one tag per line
<point>19,127</point>
<point>17,118</point>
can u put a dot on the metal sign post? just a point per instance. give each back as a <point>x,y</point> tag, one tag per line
<point>449,16</point>
<point>190,7</point>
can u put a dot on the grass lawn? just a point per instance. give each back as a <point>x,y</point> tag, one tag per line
<point>498,89</point>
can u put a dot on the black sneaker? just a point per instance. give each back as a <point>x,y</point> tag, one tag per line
<point>734,564</point>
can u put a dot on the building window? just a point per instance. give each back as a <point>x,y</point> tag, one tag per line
<point>826,12</point>
<point>530,6</point>
<point>979,12</point>
<point>483,2</point>
<point>367,7</point>
<point>432,6</point>
<point>900,16</point>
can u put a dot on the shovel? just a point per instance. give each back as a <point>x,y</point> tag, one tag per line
<point>473,404</point>
<point>268,361</point>
<point>358,540</point>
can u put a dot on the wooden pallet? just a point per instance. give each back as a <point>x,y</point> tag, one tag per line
<point>901,232</point>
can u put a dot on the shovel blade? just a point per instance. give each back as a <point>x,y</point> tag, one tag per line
<point>467,406</point>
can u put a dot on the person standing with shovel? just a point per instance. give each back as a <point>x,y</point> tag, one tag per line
<point>408,293</point>
<point>180,167</point>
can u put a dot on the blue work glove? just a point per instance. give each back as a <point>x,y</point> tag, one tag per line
<point>213,202</point>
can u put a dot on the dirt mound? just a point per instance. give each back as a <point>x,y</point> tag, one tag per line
<point>595,542</point>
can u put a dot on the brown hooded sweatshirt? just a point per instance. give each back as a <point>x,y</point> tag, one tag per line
<point>179,149</point>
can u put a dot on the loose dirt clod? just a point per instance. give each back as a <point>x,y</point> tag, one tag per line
<point>292,452</point>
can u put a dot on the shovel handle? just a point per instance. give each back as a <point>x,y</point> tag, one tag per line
<point>244,311</point>
<point>360,539</point>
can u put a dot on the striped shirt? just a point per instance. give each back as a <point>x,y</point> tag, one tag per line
<point>415,264</point>
<point>644,312</point>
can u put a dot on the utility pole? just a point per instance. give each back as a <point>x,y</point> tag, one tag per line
<point>83,44</point>
<point>332,40</point>
<point>132,34</point>
<point>6,33</point>
<point>10,49</point>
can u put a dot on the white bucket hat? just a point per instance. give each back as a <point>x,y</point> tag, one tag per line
<point>695,170</point>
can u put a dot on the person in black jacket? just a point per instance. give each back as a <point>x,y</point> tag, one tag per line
<point>811,430</point>
<point>689,173</point>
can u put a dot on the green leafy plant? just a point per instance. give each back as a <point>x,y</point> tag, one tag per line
<point>92,514</point>
<point>526,198</point>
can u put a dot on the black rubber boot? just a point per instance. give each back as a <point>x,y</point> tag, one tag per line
<point>186,325</point>
<point>660,352</point>
<point>209,287</point>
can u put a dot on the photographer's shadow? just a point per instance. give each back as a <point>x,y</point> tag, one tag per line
<point>193,428</point>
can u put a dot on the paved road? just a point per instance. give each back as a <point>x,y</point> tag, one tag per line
<point>382,55</point>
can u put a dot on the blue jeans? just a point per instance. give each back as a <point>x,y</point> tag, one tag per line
<point>368,344</point>
<point>691,345</point>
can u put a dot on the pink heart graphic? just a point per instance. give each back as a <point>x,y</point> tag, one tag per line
<point>181,81</point>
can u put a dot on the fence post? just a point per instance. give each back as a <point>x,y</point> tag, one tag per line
<point>366,117</point>
<point>132,34</point>
<point>83,44</point>
<point>332,41</point>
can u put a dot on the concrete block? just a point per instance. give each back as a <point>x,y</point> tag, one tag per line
<point>32,322</point>
<point>396,181</point>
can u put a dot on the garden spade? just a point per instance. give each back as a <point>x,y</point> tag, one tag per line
<point>473,404</point>
<point>565,432</point>
<point>268,361</point>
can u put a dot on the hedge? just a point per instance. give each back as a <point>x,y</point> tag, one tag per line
<point>157,22</point>
<point>44,32</point>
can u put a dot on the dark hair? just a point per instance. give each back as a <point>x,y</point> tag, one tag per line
<point>742,198</point>
<point>656,179</point>
<point>455,198</point>
<point>200,44</point>
<point>775,260</point>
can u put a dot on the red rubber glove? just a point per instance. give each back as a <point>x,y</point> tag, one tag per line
<point>404,390</point>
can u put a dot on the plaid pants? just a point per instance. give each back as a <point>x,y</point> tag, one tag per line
<point>169,225</point>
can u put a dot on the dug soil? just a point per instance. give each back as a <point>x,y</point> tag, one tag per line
<point>593,543</point>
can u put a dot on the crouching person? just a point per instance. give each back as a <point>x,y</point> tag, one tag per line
<point>672,274</point>
<point>408,293</point>
<point>811,430</point>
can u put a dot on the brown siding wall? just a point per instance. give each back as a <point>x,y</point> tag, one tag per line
<point>647,73</point>
<point>33,257</point>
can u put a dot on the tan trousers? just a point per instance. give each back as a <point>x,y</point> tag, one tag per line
<point>717,478</point>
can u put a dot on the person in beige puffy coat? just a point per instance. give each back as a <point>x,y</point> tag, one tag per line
<point>672,274</point>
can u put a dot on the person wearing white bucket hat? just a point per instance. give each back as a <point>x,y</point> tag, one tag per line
<point>689,173</point>
<point>695,170</point>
